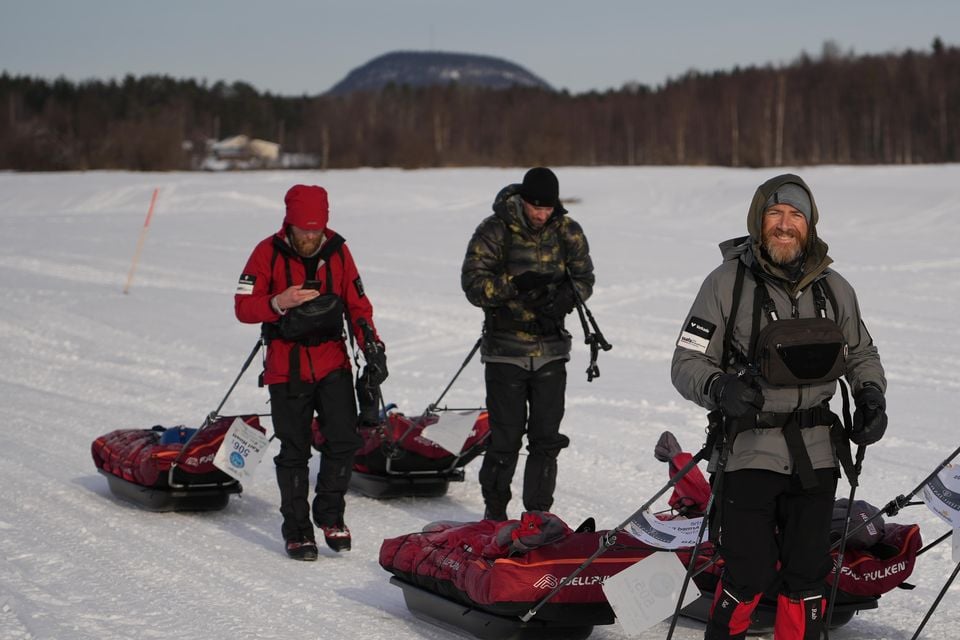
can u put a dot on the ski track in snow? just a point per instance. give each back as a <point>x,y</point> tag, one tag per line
<point>80,358</point>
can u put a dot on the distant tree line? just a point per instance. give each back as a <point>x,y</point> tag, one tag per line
<point>834,108</point>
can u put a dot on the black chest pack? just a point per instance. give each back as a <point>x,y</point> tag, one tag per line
<point>791,351</point>
<point>795,352</point>
<point>320,319</point>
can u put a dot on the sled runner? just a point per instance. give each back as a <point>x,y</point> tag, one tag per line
<point>168,469</point>
<point>397,459</point>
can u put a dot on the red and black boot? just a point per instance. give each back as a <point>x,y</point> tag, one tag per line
<point>729,616</point>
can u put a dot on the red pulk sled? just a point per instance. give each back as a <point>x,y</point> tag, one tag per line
<point>172,469</point>
<point>168,469</point>
<point>481,577</point>
<point>873,564</point>
<point>535,578</point>
<point>397,460</point>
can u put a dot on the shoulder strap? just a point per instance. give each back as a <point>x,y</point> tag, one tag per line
<point>726,357</point>
<point>762,304</point>
<point>824,288</point>
<point>333,243</point>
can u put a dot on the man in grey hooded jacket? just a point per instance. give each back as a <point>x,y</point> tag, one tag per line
<point>782,439</point>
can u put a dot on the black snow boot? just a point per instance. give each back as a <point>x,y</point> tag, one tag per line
<point>539,481</point>
<point>337,536</point>
<point>305,549</point>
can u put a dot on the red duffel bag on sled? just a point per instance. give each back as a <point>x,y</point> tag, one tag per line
<point>163,469</point>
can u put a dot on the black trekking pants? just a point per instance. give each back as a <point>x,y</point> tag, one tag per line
<point>511,390</point>
<point>333,400</point>
<point>767,517</point>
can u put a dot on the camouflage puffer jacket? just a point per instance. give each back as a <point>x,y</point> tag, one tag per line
<point>512,326</point>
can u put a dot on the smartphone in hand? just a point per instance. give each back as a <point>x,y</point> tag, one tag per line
<point>312,284</point>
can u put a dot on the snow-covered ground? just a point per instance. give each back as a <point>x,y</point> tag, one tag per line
<point>78,358</point>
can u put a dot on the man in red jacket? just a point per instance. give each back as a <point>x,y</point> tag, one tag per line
<point>300,283</point>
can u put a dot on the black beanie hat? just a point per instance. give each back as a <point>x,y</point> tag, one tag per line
<point>540,187</point>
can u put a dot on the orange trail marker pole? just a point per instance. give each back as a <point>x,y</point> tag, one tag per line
<point>143,236</point>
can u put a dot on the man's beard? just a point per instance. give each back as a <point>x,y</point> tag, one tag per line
<point>306,247</point>
<point>785,254</point>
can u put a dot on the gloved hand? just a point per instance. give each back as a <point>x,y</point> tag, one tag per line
<point>531,280</point>
<point>560,304</point>
<point>667,447</point>
<point>367,401</point>
<point>870,417</point>
<point>376,368</point>
<point>737,396</point>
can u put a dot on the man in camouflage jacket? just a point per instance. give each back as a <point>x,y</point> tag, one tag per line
<point>520,267</point>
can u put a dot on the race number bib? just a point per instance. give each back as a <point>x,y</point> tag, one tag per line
<point>242,450</point>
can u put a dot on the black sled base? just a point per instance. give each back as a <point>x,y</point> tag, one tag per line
<point>472,622</point>
<point>404,485</point>
<point>207,498</point>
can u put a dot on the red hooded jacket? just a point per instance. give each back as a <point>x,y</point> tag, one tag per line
<point>265,277</point>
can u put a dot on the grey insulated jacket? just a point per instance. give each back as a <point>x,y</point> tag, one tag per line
<point>698,356</point>
<point>492,260</point>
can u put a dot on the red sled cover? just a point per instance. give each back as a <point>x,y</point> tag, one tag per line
<point>138,456</point>
<point>882,567</point>
<point>495,566</point>
<point>401,439</point>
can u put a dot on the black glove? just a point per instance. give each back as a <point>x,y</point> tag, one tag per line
<point>531,280</point>
<point>376,369</point>
<point>870,418</point>
<point>738,397</point>
<point>560,304</point>
<point>367,400</point>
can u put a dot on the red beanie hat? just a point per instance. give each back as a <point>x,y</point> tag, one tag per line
<point>307,207</point>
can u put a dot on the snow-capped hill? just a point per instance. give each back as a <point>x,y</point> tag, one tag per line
<point>428,68</point>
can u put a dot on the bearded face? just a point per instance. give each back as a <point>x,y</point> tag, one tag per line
<point>306,243</point>
<point>784,234</point>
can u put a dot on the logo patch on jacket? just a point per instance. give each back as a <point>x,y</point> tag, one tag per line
<point>696,335</point>
<point>358,285</point>
<point>245,286</point>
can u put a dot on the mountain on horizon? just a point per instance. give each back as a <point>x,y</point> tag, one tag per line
<point>430,68</point>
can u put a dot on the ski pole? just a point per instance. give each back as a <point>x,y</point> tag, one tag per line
<point>953,576</point>
<point>433,405</point>
<point>213,414</point>
<point>854,482</point>
<point>718,474</point>
<point>610,538</point>
<point>594,338</point>
<point>934,543</point>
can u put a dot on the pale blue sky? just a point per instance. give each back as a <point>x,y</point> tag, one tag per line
<point>294,47</point>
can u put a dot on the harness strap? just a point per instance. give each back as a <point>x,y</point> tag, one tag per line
<point>791,423</point>
<point>727,358</point>
<point>330,245</point>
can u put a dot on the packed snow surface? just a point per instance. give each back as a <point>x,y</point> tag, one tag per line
<point>79,358</point>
